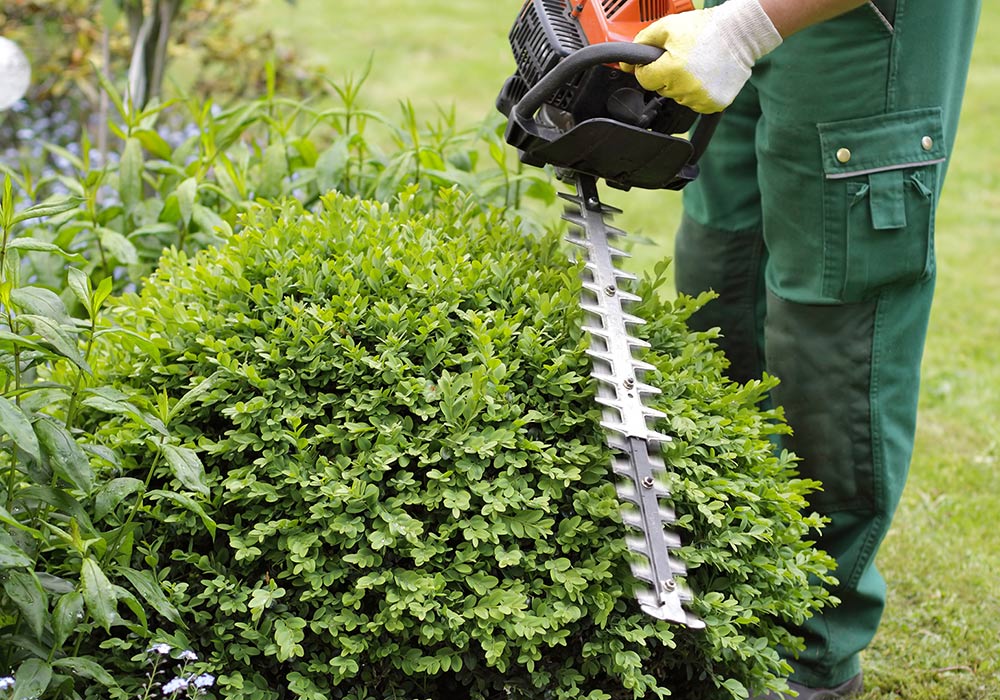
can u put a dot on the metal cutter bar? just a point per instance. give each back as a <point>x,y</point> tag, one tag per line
<point>620,390</point>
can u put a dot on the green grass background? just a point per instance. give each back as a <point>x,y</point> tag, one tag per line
<point>940,638</point>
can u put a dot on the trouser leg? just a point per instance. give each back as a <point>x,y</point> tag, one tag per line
<point>856,119</point>
<point>720,244</point>
<point>849,383</point>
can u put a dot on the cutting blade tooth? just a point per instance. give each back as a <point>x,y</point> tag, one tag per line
<point>634,520</point>
<point>653,436</point>
<point>648,600</point>
<point>593,309</point>
<point>647,389</point>
<point>633,320</point>
<point>653,413</point>
<point>598,331</point>
<point>640,546</point>
<point>644,573</point>
<point>600,355</point>
<point>668,516</point>
<point>643,366</point>
<point>609,402</point>
<point>574,198</point>
<point>622,466</point>
<point>618,252</point>
<point>628,296</point>
<point>627,492</point>
<point>618,428</point>
<point>638,342</point>
<point>618,274</point>
<point>577,241</point>
<point>669,610</point>
<point>608,209</point>
<point>618,445</point>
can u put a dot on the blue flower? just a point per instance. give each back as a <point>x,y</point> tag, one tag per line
<point>171,687</point>
<point>160,648</point>
<point>6,683</point>
<point>205,680</point>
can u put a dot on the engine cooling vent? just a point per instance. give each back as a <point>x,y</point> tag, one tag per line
<point>613,7</point>
<point>542,36</point>
<point>649,10</point>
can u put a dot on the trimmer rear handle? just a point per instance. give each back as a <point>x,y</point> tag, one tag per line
<point>576,63</point>
<point>523,113</point>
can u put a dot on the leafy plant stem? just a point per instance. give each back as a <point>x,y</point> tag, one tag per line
<point>78,384</point>
<point>135,508</point>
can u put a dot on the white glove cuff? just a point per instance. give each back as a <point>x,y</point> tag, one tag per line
<point>747,30</point>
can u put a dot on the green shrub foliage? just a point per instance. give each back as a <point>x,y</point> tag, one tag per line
<point>408,479</point>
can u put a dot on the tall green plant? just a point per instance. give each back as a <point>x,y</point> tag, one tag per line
<point>67,519</point>
<point>191,192</point>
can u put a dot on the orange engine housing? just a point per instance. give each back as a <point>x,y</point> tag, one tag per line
<point>621,20</point>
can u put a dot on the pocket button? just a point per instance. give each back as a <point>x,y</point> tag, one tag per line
<point>844,155</point>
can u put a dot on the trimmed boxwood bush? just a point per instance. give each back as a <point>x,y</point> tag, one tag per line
<point>409,488</point>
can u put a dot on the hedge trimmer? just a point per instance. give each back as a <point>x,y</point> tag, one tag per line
<point>569,106</point>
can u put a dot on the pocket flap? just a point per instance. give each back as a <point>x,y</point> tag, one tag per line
<point>882,142</point>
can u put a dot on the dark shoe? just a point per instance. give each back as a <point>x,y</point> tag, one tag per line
<point>850,687</point>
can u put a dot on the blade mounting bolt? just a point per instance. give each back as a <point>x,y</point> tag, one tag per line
<point>593,203</point>
<point>611,290</point>
<point>629,383</point>
<point>669,585</point>
<point>648,482</point>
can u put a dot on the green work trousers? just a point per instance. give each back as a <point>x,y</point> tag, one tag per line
<point>813,220</point>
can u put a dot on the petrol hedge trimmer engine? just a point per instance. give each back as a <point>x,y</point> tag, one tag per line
<point>570,106</point>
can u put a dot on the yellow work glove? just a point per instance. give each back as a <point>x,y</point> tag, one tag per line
<point>709,53</point>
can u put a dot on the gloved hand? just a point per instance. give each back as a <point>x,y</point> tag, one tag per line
<point>709,53</point>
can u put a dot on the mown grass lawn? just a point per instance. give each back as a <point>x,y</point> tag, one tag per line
<point>941,634</point>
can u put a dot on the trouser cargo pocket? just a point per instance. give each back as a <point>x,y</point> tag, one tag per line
<point>879,195</point>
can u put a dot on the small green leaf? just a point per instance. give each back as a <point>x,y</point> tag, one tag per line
<point>11,557</point>
<point>67,458</point>
<point>79,282</point>
<point>33,244</point>
<point>104,288</point>
<point>130,174</point>
<point>203,388</point>
<point>186,194</point>
<point>23,588</point>
<point>273,171</point>
<point>112,401</point>
<point>288,632</point>
<point>119,247</point>
<point>154,143</point>
<point>186,467</point>
<point>152,593</point>
<point>31,679</point>
<point>16,424</point>
<point>98,593</point>
<point>114,492</point>
<point>66,616</point>
<point>188,503</point>
<point>50,207</point>
<point>86,668</point>
<point>41,302</point>
<point>60,338</point>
